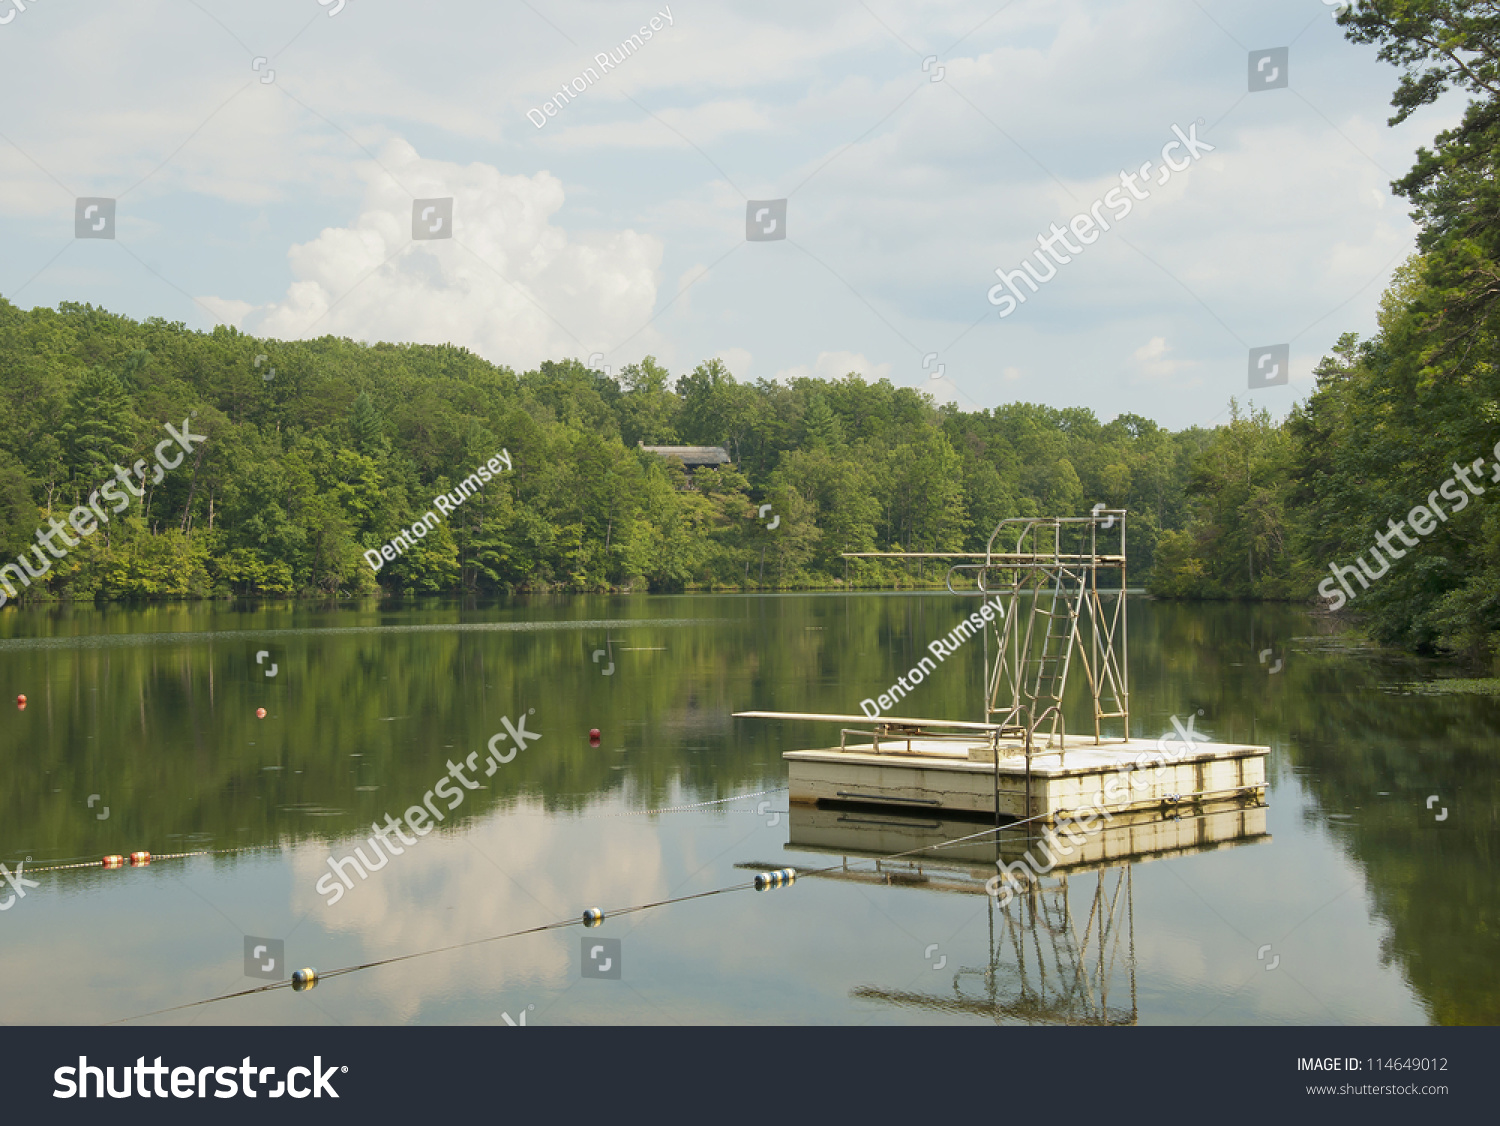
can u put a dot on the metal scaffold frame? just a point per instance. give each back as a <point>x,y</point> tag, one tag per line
<point>1050,577</point>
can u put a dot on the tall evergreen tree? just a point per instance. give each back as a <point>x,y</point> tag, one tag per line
<point>97,427</point>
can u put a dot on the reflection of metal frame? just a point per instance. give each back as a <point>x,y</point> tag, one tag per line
<point>1075,987</point>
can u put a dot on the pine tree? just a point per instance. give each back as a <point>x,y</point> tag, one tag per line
<point>824,431</point>
<point>97,428</point>
<point>367,426</point>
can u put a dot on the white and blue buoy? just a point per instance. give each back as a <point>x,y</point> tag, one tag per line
<point>782,877</point>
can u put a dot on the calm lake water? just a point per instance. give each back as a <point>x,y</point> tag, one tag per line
<point>1366,891</point>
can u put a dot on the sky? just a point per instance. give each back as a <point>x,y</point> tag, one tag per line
<point>265,161</point>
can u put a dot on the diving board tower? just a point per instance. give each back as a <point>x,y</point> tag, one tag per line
<point>1050,579</point>
<point>1047,571</point>
<point>1060,582</point>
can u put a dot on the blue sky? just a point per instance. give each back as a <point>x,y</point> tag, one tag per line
<point>919,146</point>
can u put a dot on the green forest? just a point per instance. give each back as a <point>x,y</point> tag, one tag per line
<point>347,444</point>
<point>319,450</point>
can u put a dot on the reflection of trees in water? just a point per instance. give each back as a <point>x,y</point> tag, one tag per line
<point>362,721</point>
<point>1437,885</point>
<point>1345,731</point>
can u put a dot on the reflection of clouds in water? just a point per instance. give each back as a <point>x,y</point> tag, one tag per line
<point>506,873</point>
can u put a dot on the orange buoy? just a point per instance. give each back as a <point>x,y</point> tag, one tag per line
<point>21,700</point>
<point>139,859</point>
<point>114,861</point>
<point>260,713</point>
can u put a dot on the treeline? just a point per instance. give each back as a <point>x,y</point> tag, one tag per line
<point>1392,418</point>
<point>318,450</point>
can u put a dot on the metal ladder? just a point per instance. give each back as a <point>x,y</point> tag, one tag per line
<point>1045,676</point>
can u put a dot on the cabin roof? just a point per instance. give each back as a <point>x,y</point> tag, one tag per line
<point>690,456</point>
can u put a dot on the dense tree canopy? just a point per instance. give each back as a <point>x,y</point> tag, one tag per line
<point>348,444</point>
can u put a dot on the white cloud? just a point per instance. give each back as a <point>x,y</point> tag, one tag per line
<point>737,360</point>
<point>836,365</point>
<point>1151,360</point>
<point>509,284</point>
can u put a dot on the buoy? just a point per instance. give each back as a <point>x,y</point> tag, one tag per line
<point>139,859</point>
<point>593,735</point>
<point>114,862</point>
<point>304,979</point>
<point>260,713</point>
<point>593,917</point>
<point>21,700</point>
<point>779,878</point>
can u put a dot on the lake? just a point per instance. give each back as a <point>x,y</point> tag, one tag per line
<point>1365,892</point>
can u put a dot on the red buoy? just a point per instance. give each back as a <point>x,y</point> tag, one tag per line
<point>139,859</point>
<point>21,700</point>
<point>594,735</point>
<point>260,713</point>
<point>114,862</point>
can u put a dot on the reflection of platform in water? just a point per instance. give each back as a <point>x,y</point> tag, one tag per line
<point>966,864</point>
<point>1049,961</point>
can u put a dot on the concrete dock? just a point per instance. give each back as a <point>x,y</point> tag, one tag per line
<point>959,775</point>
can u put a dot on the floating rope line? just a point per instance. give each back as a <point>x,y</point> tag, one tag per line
<point>590,918</point>
<point>323,975</point>
<point>695,805</point>
<point>137,859</point>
